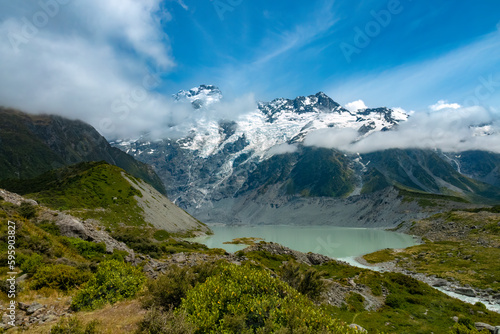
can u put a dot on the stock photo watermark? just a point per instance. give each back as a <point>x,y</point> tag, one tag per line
<point>363,36</point>
<point>29,27</point>
<point>486,88</point>
<point>123,105</point>
<point>223,6</point>
<point>11,274</point>
<point>326,245</point>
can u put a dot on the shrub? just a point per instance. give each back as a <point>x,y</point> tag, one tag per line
<point>87,249</point>
<point>467,322</point>
<point>74,326</point>
<point>27,210</point>
<point>394,301</point>
<point>50,227</point>
<point>356,301</point>
<point>161,235</point>
<point>168,290</point>
<point>263,302</point>
<point>308,283</point>
<point>410,284</point>
<point>113,281</point>
<point>30,263</point>
<point>463,329</point>
<point>59,276</point>
<point>158,322</point>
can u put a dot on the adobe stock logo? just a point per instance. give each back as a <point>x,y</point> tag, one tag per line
<point>30,26</point>
<point>123,105</point>
<point>363,37</point>
<point>223,6</point>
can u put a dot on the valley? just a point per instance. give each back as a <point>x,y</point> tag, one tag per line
<point>249,167</point>
<point>317,210</point>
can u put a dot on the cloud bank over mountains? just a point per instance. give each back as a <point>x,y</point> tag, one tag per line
<point>448,127</point>
<point>109,63</point>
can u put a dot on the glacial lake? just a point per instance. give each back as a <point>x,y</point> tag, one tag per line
<point>336,242</point>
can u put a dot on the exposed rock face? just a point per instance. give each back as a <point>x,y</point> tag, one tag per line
<point>88,230</point>
<point>161,213</point>
<point>273,248</point>
<point>28,315</point>
<point>71,226</point>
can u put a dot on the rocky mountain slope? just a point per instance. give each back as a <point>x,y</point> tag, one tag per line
<point>262,163</point>
<point>33,144</point>
<point>106,194</point>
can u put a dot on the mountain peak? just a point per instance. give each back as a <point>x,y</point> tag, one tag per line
<point>390,115</point>
<point>320,102</point>
<point>201,96</point>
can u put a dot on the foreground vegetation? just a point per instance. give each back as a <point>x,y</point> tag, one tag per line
<point>257,290</point>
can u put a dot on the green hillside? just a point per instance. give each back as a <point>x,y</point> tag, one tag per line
<point>34,144</point>
<point>424,171</point>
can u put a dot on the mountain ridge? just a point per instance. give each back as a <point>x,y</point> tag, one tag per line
<point>269,148</point>
<point>34,144</point>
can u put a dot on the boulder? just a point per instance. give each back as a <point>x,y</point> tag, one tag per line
<point>440,283</point>
<point>33,308</point>
<point>466,292</point>
<point>481,325</point>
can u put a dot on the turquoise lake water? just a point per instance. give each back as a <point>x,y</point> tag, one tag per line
<point>335,242</point>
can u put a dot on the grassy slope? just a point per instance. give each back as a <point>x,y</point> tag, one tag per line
<point>460,245</point>
<point>88,190</point>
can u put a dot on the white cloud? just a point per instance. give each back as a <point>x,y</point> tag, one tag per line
<point>99,61</point>
<point>443,104</point>
<point>182,4</point>
<point>282,149</point>
<point>452,130</point>
<point>356,105</point>
<point>332,138</point>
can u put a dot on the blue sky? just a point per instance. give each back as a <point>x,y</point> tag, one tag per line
<point>116,63</point>
<point>290,48</point>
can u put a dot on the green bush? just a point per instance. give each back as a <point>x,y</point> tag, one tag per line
<point>87,249</point>
<point>161,235</point>
<point>168,290</point>
<point>467,322</point>
<point>263,302</point>
<point>50,227</point>
<point>27,210</point>
<point>408,283</point>
<point>309,283</point>
<point>394,301</point>
<point>158,322</point>
<point>113,281</point>
<point>30,263</point>
<point>59,276</point>
<point>74,326</point>
<point>355,302</point>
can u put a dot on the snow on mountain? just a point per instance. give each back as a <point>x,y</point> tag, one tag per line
<point>202,96</point>
<point>216,156</point>
<point>281,121</point>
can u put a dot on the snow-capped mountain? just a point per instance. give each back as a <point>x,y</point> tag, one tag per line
<point>276,123</point>
<point>202,96</point>
<point>222,168</point>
